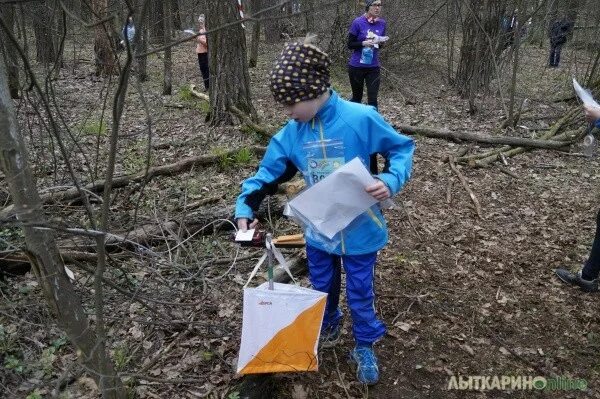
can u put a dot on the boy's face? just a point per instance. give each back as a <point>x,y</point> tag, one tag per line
<point>303,111</point>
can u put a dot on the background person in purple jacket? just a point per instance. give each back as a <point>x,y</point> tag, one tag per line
<point>363,66</point>
<point>364,62</point>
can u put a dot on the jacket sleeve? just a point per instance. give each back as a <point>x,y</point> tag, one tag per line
<point>353,42</point>
<point>396,148</point>
<point>274,169</point>
<point>597,123</point>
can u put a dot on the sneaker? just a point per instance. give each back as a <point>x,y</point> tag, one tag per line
<point>367,370</point>
<point>576,279</point>
<point>330,337</point>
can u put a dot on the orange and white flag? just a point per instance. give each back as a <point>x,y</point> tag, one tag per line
<point>280,329</point>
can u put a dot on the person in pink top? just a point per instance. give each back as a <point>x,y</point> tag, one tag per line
<point>202,51</point>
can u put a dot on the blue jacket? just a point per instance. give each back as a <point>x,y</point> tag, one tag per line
<point>363,132</point>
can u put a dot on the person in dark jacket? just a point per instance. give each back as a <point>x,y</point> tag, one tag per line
<point>558,33</point>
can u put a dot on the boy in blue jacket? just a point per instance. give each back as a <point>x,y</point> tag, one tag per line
<point>324,132</point>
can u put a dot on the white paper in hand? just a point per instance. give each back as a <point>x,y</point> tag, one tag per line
<point>585,96</point>
<point>244,236</point>
<point>334,202</point>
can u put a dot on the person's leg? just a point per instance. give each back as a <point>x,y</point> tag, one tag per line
<point>557,55</point>
<point>203,61</point>
<point>373,78</point>
<point>591,269</point>
<point>357,79</point>
<point>366,327</point>
<point>586,278</point>
<point>552,61</point>
<point>325,275</point>
<point>360,275</point>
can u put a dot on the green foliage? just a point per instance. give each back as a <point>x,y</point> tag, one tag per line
<point>47,360</point>
<point>10,235</point>
<point>93,127</point>
<point>234,395</point>
<point>247,129</point>
<point>13,363</point>
<point>207,356</point>
<point>243,156</point>
<point>7,341</point>
<point>203,106</point>
<point>134,158</point>
<point>227,161</point>
<point>121,357</point>
<point>185,94</point>
<point>60,342</point>
<point>34,395</point>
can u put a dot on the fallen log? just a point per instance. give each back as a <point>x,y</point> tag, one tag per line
<point>569,137</point>
<point>206,220</point>
<point>197,94</point>
<point>480,138</point>
<point>266,131</point>
<point>17,262</point>
<point>122,181</point>
<point>490,156</point>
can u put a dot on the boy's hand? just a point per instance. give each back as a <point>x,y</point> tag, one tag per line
<point>242,224</point>
<point>368,43</point>
<point>379,191</point>
<point>592,113</point>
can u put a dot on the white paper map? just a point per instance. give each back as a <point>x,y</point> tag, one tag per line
<point>334,202</point>
<point>585,96</point>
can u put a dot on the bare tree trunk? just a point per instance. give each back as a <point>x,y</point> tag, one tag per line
<point>10,53</point>
<point>255,41</point>
<point>156,22</point>
<point>230,81</point>
<point>142,45</point>
<point>273,27</point>
<point>309,17</point>
<point>23,30</point>
<point>106,62</point>
<point>168,64</point>
<point>512,120</point>
<point>60,33</point>
<point>175,15</point>
<point>451,17</point>
<point>338,44</point>
<point>44,41</point>
<point>43,253</point>
<point>480,47</point>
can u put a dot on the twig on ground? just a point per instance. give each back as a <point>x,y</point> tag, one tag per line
<point>466,186</point>
<point>337,369</point>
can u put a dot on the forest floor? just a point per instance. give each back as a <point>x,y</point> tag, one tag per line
<point>460,295</point>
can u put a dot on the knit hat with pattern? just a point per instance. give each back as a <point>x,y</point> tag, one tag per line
<point>369,3</point>
<point>300,73</point>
